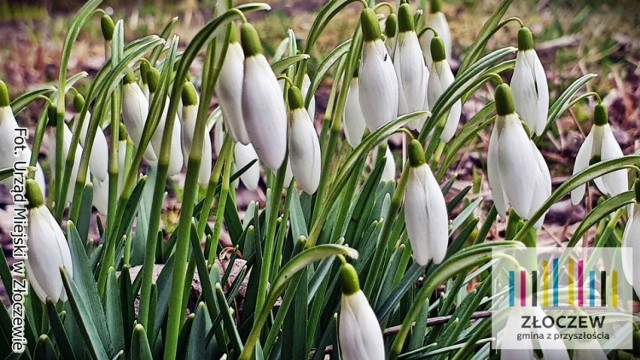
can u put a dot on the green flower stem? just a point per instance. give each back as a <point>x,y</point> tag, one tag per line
<point>114,160</point>
<point>57,190</point>
<point>282,233</point>
<point>222,202</point>
<point>225,152</point>
<point>41,128</point>
<point>372,282</point>
<point>271,227</point>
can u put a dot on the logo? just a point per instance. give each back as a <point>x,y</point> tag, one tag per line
<point>554,298</point>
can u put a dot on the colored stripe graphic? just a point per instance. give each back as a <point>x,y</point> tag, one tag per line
<point>555,282</point>
<point>592,288</point>
<point>512,290</point>
<point>581,283</point>
<point>545,283</point>
<point>534,288</point>
<point>571,281</point>
<point>603,288</point>
<point>614,288</point>
<point>523,288</point>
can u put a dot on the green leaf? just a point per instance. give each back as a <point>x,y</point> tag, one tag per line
<point>600,212</point>
<point>327,63</point>
<point>6,173</point>
<point>323,19</point>
<point>27,98</point>
<point>127,300</point>
<point>229,322</point>
<point>140,349</point>
<point>113,311</point>
<point>58,332</point>
<point>84,220</point>
<point>197,345</point>
<point>282,65</point>
<point>296,264</point>
<point>44,349</point>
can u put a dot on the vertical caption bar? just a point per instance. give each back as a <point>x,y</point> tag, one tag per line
<point>534,288</point>
<point>523,288</point>
<point>555,282</point>
<point>512,290</point>
<point>592,288</point>
<point>571,281</point>
<point>603,288</point>
<point>545,283</point>
<point>580,283</point>
<point>614,288</point>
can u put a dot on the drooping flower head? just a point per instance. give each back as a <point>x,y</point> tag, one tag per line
<point>425,211</point>
<point>529,84</point>
<point>135,109</point>
<point>190,102</point>
<point>631,241</point>
<point>48,248</point>
<point>359,330</point>
<point>390,32</point>
<point>435,18</point>
<point>304,147</point>
<point>518,175</point>
<point>377,80</point>
<point>600,145</point>
<point>409,66</point>
<point>353,119</point>
<point>440,79</point>
<point>98,159</point>
<point>263,105</point>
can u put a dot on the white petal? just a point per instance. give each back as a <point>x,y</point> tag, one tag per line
<point>514,161</point>
<point>409,67</point>
<point>426,216</point>
<point>359,330</point>
<point>101,196</point>
<point>135,109</point>
<point>551,349</point>
<point>511,348</point>
<point>354,123</point>
<point>543,184</point>
<point>581,163</point>
<point>218,136</point>
<point>378,85</point>
<point>264,112</point>
<point>631,241</point>
<point>243,155</point>
<point>439,22</point>
<point>229,92</point>
<point>440,79</point>
<point>306,84</point>
<point>389,171</point>
<point>530,91</point>
<point>8,127</point>
<point>304,151</point>
<point>493,173</point>
<point>99,150</point>
<point>615,182</point>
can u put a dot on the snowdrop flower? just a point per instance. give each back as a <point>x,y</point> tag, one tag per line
<point>135,109</point>
<point>359,330</point>
<point>189,114</point>
<point>378,85</point>
<point>440,79</point>
<point>529,84</point>
<point>518,175</point>
<point>306,85</point>
<point>600,145</point>
<point>589,350</point>
<point>101,196</point>
<point>390,32</point>
<point>263,106</point>
<point>353,118</point>
<point>218,136</point>
<point>229,89</point>
<point>435,18</point>
<point>389,171</point>
<point>242,156</point>
<point>631,240</point>
<point>98,160</point>
<point>304,147</point>
<point>66,145</point>
<point>409,66</point>
<point>48,248</point>
<point>8,129</point>
<point>175,155</point>
<point>513,348</point>
<point>425,211</point>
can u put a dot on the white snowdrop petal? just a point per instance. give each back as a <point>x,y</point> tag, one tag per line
<point>354,123</point>
<point>493,173</point>
<point>264,112</point>
<point>615,182</point>
<point>101,196</point>
<point>439,22</point>
<point>581,163</point>
<point>389,171</point>
<point>631,240</point>
<point>511,348</point>
<point>229,92</point>
<point>378,85</point>
<point>304,151</point>
<point>243,155</point>
<point>551,349</point>
<point>530,91</point>
<point>306,84</point>
<point>409,67</point>
<point>135,109</point>
<point>98,160</point>
<point>359,330</point>
<point>543,184</point>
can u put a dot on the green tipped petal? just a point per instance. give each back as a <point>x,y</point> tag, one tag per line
<point>189,94</point>
<point>391,26</point>
<point>78,102</point>
<point>349,279</point>
<point>233,35</point>
<point>52,114</point>
<point>416,153</point>
<point>436,6</point>
<point>525,39</point>
<point>295,98</point>
<point>153,77</point>
<point>4,95</point>
<point>129,78</point>
<point>405,18</point>
<point>504,100</point>
<point>107,25</point>
<point>250,40</point>
<point>370,25</point>
<point>437,49</point>
<point>122,132</point>
<point>600,115</point>
<point>33,194</point>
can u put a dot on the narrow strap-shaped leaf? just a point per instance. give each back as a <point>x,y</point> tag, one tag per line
<point>197,340</point>
<point>228,320</point>
<point>140,349</point>
<point>44,349</point>
<point>113,311</point>
<point>60,335</point>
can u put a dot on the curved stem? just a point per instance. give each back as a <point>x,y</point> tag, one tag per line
<point>584,96</point>
<point>508,20</point>
<point>427,28</point>
<point>384,4</point>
